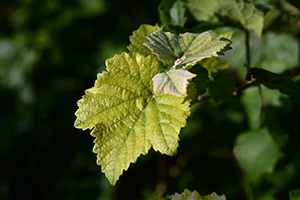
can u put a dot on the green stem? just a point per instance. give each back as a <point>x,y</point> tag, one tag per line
<point>248,190</point>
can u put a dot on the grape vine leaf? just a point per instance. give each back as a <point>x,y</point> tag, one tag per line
<point>172,82</point>
<point>188,195</point>
<point>126,118</point>
<point>256,153</point>
<point>237,11</point>
<point>194,47</point>
<point>138,38</point>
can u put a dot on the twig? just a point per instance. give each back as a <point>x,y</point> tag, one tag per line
<point>298,41</point>
<point>203,97</point>
<point>248,62</point>
<point>261,107</point>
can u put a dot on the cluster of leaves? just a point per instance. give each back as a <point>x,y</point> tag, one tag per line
<point>141,101</point>
<point>143,98</point>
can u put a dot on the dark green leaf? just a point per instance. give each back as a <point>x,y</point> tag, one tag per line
<point>256,153</point>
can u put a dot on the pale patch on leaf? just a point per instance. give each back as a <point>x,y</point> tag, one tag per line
<point>194,47</point>
<point>172,82</point>
<point>127,120</point>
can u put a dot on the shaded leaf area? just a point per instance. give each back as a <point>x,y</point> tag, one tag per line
<point>193,195</point>
<point>281,14</point>
<point>275,81</point>
<point>257,153</point>
<point>236,11</point>
<point>213,77</point>
<point>127,119</point>
<point>172,12</point>
<point>250,99</point>
<point>169,47</point>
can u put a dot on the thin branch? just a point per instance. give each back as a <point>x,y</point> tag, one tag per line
<point>261,107</point>
<point>247,39</point>
<point>298,41</point>
<point>203,97</point>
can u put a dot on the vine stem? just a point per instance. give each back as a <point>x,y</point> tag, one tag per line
<point>298,41</point>
<point>261,107</point>
<point>247,39</point>
<point>248,66</point>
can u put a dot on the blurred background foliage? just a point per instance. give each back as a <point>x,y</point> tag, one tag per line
<point>51,51</point>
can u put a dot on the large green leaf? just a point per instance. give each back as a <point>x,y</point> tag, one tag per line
<point>172,82</point>
<point>188,195</point>
<point>192,47</point>
<point>138,38</point>
<point>237,11</point>
<point>127,119</point>
<point>257,153</point>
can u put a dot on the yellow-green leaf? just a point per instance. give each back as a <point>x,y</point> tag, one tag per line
<point>126,118</point>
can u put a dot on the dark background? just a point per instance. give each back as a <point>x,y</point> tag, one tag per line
<point>50,52</point>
